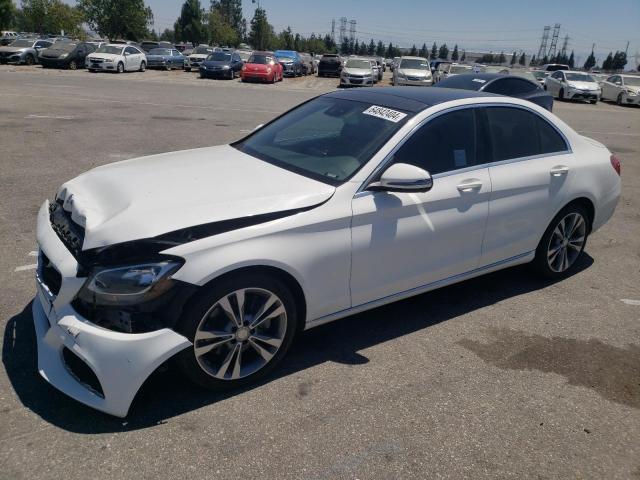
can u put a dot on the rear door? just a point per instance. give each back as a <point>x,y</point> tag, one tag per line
<point>530,178</point>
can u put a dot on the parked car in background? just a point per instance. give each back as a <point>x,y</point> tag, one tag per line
<point>23,50</point>
<point>394,63</point>
<point>166,58</point>
<point>357,72</point>
<point>554,67</point>
<point>622,89</point>
<point>501,84</point>
<point>439,69</point>
<point>69,55</point>
<point>290,61</point>
<point>540,76</point>
<point>458,69</point>
<point>149,45</point>
<point>377,72</point>
<point>197,56</point>
<point>117,58</point>
<point>244,54</point>
<point>308,66</point>
<point>262,66</point>
<point>570,85</point>
<point>7,37</point>
<point>379,67</point>
<point>221,65</point>
<point>330,65</point>
<point>217,258</point>
<point>412,71</point>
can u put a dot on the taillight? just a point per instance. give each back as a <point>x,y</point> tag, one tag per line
<point>615,163</point>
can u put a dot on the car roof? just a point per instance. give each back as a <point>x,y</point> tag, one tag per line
<point>412,99</point>
<point>408,57</point>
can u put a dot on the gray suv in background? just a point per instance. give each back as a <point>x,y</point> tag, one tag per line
<point>23,50</point>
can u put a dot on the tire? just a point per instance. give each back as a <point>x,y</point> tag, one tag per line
<point>561,94</point>
<point>29,60</point>
<point>91,70</point>
<point>217,368</point>
<point>187,69</point>
<point>73,65</point>
<point>120,68</point>
<point>143,66</point>
<point>202,75</point>
<point>593,102</point>
<point>619,99</point>
<point>554,246</point>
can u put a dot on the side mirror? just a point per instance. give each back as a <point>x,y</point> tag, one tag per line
<point>402,177</point>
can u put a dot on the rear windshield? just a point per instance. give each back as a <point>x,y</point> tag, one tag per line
<point>328,139</point>
<point>465,81</point>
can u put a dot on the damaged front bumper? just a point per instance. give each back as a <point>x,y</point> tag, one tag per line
<point>107,368</point>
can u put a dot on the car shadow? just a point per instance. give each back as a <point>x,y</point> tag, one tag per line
<point>166,394</point>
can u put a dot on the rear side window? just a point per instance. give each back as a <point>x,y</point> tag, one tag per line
<point>518,133</point>
<point>444,144</point>
<point>510,86</point>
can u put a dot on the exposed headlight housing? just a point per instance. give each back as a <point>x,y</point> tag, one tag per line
<point>128,285</point>
<point>64,55</point>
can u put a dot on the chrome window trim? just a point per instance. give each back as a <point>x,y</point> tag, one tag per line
<point>387,160</point>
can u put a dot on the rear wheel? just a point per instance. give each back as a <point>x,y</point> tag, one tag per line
<point>561,94</point>
<point>187,69</point>
<point>73,65</point>
<point>240,329</point>
<point>29,60</point>
<point>563,242</point>
<point>143,66</point>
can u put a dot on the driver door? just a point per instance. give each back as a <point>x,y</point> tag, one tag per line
<point>406,240</point>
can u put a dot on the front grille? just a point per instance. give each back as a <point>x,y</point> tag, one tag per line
<point>415,79</point>
<point>97,60</point>
<point>71,234</point>
<point>49,275</point>
<point>82,372</point>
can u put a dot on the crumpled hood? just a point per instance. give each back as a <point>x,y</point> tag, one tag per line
<point>583,85</point>
<point>149,196</point>
<point>14,49</point>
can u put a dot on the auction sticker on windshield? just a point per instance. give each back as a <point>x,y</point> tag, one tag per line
<point>385,113</point>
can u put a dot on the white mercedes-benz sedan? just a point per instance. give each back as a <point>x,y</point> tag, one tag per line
<point>220,256</point>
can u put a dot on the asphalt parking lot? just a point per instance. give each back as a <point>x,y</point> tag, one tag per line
<point>505,376</point>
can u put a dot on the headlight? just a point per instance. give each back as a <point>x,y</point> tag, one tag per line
<point>128,285</point>
<point>225,67</point>
<point>64,55</point>
<point>268,70</point>
<point>108,60</point>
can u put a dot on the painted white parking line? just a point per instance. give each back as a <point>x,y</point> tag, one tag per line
<point>55,117</point>
<point>628,301</point>
<point>26,267</point>
<point>611,133</point>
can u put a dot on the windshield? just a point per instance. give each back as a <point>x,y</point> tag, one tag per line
<point>63,46</point>
<point>110,49</point>
<point>261,59</point>
<point>285,54</point>
<point>459,69</point>
<point>356,63</point>
<point>328,139</point>
<point>219,57</point>
<point>160,51</point>
<point>202,50</point>
<point>22,43</point>
<point>414,64</point>
<point>579,77</point>
<point>524,74</point>
<point>632,81</point>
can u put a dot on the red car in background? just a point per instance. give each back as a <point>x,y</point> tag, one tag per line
<point>262,66</point>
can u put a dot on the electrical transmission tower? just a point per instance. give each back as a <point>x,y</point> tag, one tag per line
<point>343,29</point>
<point>352,31</point>
<point>333,29</point>
<point>543,43</point>
<point>554,40</point>
<point>565,44</point>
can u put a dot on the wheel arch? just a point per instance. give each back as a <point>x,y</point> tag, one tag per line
<point>284,276</point>
<point>587,204</point>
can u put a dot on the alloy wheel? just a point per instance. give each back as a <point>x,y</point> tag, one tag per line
<point>240,333</point>
<point>567,242</point>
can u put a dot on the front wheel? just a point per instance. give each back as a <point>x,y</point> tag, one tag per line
<point>561,94</point>
<point>73,65</point>
<point>563,242</point>
<point>240,328</point>
<point>143,66</point>
<point>120,68</point>
<point>29,60</point>
<point>619,99</point>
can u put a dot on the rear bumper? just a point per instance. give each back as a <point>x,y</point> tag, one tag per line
<point>121,362</point>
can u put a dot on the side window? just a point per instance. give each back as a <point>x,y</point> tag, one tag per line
<point>550,140</point>
<point>446,143</point>
<point>513,133</point>
<point>611,79</point>
<point>618,80</point>
<point>130,50</point>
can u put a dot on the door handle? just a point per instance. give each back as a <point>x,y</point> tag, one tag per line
<point>469,185</point>
<point>559,170</point>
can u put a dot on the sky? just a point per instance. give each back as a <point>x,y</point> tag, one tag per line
<point>487,25</point>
